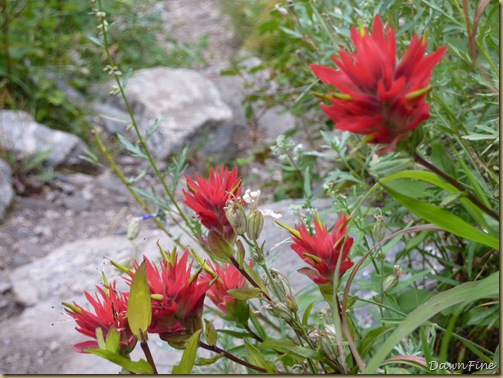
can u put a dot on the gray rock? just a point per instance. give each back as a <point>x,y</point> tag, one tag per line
<point>6,191</point>
<point>182,100</point>
<point>76,203</point>
<point>21,134</point>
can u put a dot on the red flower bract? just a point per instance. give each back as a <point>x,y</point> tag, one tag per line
<point>110,311</point>
<point>322,250</point>
<point>379,98</point>
<point>228,278</point>
<point>177,299</point>
<point>208,197</point>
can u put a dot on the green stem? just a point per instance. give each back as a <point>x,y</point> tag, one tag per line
<point>458,185</point>
<point>137,129</point>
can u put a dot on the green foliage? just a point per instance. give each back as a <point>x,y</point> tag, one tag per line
<point>51,49</point>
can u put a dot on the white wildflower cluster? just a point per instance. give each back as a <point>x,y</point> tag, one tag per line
<point>281,148</point>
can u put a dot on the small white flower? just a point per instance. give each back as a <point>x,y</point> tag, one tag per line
<point>268,213</point>
<point>251,197</point>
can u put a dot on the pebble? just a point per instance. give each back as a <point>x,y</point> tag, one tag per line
<point>76,203</point>
<point>5,282</point>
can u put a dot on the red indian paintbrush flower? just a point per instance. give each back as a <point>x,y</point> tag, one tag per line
<point>110,311</point>
<point>228,278</point>
<point>177,299</point>
<point>323,249</point>
<point>208,197</point>
<point>380,98</point>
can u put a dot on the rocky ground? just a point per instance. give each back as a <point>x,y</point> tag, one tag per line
<point>55,241</point>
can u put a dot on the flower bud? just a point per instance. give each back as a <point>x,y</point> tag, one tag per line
<point>279,285</point>
<point>133,229</point>
<point>235,213</point>
<point>219,248</point>
<point>379,229</point>
<point>328,343</point>
<point>392,280</point>
<point>255,223</point>
<point>280,310</point>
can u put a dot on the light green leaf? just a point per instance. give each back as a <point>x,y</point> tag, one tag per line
<point>254,275</point>
<point>370,338</point>
<point>137,367</point>
<point>189,356</point>
<point>139,306</point>
<point>208,361</point>
<point>289,348</point>
<point>113,342</point>
<point>444,219</point>
<point>244,294</point>
<point>255,356</point>
<point>464,293</point>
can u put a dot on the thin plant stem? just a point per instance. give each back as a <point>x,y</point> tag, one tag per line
<point>231,357</point>
<point>458,185</point>
<point>148,355</point>
<point>136,127</point>
<point>247,276</point>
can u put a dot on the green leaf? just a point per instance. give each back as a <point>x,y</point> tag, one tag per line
<point>137,367</point>
<point>139,306</point>
<point>255,357</point>
<point>370,338</point>
<point>189,356</point>
<point>244,294</point>
<point>436,180</point>
<point>208,361</point>
<point>444,219</point>
<point>307,313</point>
<point>254,275</point>
<point>113,342</point>
<point>464,293</point>
<point>97,41</point>
<point>290,348</point>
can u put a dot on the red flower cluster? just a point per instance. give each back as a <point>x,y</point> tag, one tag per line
<point>322,250</point>
<point>228,278</point>
<point>177,299</point>
<point>379,98</point>
<point>208,197</point>
<point>110,311</point>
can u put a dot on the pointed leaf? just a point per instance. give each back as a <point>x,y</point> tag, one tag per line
<point>137,367</point>
<point>189,356</point>
<point>244,294</point>
<point>445,219</point>
<point>255,356</point>
<point>291,349</point>
<point>464,293</point>
<point>139,306</point>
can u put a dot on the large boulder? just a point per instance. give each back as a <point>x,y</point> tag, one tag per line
<point>182,100</point>
<point>6,191</point>
<point>21,134</point>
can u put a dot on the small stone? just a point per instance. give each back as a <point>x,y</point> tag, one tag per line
<point>76,203</point>
<point>5,283</point>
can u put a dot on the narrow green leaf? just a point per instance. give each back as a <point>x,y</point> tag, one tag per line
<point>244,294</point>
<point>444,219</point>
<point>113,341</point>
<point>97,41</point>
<point>436,180</point>
<point>139,306</point>
<point>290,348</point>
<point>307,314</point>
<point>255,356</point>
<point>370,338</point>
<point>208,361</point>
<point>137,367</point>
<point>254,275</point>
<point>464,293</point>
<point>189,355</point>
